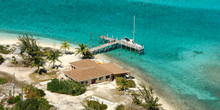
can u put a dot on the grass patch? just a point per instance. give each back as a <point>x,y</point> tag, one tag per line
<point>43,77</point>
<point>3,80</point>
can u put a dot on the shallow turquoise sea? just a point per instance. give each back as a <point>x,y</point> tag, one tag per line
<point>181,38</point>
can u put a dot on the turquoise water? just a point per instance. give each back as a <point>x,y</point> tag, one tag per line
<point>182,39</point>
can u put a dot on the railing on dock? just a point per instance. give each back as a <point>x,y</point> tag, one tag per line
<point>110,42</point>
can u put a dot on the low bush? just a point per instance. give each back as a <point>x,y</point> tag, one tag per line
<point>94,105</point>
<point>120,107</point>
<point>33,92</point>
<point>14,60</point>
<point>33,104</point>
<point>14,99</point>
<point>1,59</point>
<point>4,49</point>
<point>131,84</point>
<point>3,80</point>
<point>66,87</point>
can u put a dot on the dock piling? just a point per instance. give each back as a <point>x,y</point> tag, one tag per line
<point>99,39</point>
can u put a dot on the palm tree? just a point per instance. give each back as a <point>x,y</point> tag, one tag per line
<point>53,56</point>
<point>123,85</point>
<point>83,50</point>
<point>65,46</point>
<point>37,61</point>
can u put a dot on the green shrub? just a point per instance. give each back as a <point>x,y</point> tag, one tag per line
<point>14,99</point>
<point>3,80</point>
<point>40,92</point>
<point>66,87</point>
<point>33,104</point>
<point>131,84</point>
<point>14,60</point>
<point>120,107</point>
<point>1,59</point>
<point>4,49</point>
<point>33,92</point>
<point>94,105</point>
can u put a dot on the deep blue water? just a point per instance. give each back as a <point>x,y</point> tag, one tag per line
<point>181,38</point>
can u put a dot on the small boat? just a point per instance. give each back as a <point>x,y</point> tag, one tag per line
<point>128,41</point>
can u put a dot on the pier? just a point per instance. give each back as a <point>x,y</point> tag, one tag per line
<point>109,43</point>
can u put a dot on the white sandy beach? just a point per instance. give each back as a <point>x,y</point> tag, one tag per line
<point>65,102</point>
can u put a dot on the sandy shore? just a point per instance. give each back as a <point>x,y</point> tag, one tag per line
<point>59,100</point>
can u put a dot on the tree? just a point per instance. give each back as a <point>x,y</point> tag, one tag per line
<point>29,45</point>
<point>37,61</point>
<point>83,50</point>
<point>145,98</point>
<point>124,84</point>
<point>35,56</point>
<point>53,56</point>
<point>65,46</point>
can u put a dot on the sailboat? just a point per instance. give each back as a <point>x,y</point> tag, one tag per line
<point>131,41</point>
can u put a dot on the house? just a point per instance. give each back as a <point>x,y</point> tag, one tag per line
<point>88,72</point>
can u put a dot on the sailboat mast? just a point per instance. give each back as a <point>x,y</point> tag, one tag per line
<point>134,29</point>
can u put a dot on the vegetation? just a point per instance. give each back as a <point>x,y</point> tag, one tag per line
<point>94,105</point>
<point>3,80</point>
<point>53,56</point>
<point>1,107</point>
<point>13,100</point>
<point>35,56</point>
<point>37,61</point>
<point>131,83</point>
<point>66,87</point>
<point>5,49</point>
<point>26,60</point>
<point>33,92</point>
<point>83,50</point>
<point>34,101</point>
<point>33,104</point>
<point>65,46</point>
<point>46,50</point>
<point>14,60</point>
<point>145,98</point>
<point>1,59</point>
<point>124,83</point>
<point>120,107</point>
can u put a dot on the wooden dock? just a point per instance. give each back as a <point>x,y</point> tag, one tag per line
<point>111,43</point>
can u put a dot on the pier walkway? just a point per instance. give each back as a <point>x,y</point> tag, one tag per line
<point>111,42</point>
